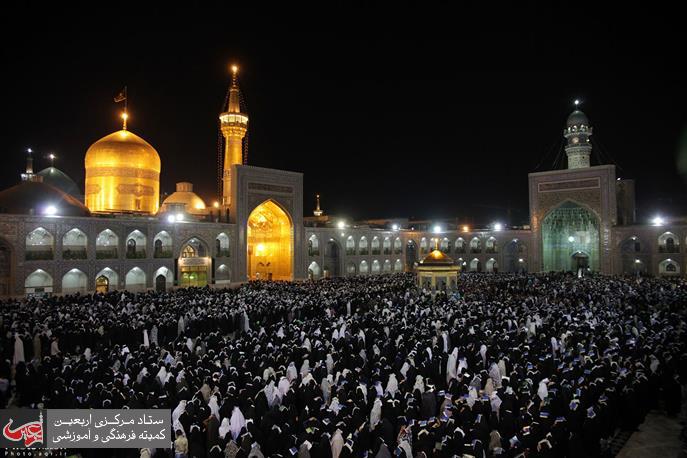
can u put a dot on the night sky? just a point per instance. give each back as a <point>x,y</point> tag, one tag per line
<point>383,118</point>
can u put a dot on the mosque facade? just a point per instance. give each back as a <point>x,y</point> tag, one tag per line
<point>118,234</point>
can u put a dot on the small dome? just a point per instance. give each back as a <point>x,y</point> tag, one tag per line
<point>38,198</point>
<point>437,258</point>
<point>577,118</point>
<point>57,178</point>
<point>184,195</point>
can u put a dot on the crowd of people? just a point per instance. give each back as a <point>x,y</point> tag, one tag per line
<point>537,365</point>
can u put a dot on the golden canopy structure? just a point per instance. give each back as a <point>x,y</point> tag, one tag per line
<point>437,271</point>
<point>122,175</point>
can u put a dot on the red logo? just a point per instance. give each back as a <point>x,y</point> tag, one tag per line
<point>30,432</point>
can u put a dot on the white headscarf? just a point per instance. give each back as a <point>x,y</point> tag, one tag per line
<point>305,368</point>
<point>543,391</point>
<point>284,386</point>
<point>330,363</point>
<point>214,407</point>
<point>291,372</point>
<point>180,326</point>
<point>325,386</point>
<point>495,375</point>
<point>146,341</point>
<point>271,393</point>
<point>335,406</point>
<point>237,422</point>
<point>392,385</point>
<point>176,424</point>
<point>162,375</point>
<point>462,363</point>
<point>376,413</point>
<point>419,384</point>
<point>483,353</point>
<point>224,428</point>
<point>451,365</point>
<point>18,350</point>
<point>337,443</point>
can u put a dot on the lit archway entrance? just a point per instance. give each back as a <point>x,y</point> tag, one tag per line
<point>194,264</point>
<point>270,243</point>
<point>567,230</point>
<point>580,262</point>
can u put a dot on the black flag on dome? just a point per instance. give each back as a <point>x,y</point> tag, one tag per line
<point>121,96</point>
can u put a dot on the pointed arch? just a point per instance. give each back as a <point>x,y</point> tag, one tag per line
<point>40,244</point>
<point>136,245</point>
<point>74,244</point>
<point>270,242</point>
<point>74,281</point>
<point>135,280</point>
<point>106,245</point>
<point>314,271</point>
<point>162,245</point>
<point>111,283</point>
<point>567,229</point>
<point>362,246</point>
<point>38,281</point>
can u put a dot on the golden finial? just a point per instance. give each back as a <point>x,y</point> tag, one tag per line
<point>234,72</point>
<point>125,116</point>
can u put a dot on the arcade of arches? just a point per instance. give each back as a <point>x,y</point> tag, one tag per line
<point>270,243</point>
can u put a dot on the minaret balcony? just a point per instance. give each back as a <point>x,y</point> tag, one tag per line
<point>234,119</point>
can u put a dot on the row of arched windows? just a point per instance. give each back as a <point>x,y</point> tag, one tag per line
<point>40,245</point>
<point>363,268</point>
<point>460,245</point>
<point>76,281</point>
<point>375,246</point>
<point>667,243</point>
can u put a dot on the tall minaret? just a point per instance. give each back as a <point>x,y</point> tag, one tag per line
<point>28,175</point>
<point>234,125</point>
<point>318,211</point>
<point>577,133</point>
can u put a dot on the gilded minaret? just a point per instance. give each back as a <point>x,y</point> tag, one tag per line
<point>234,125</point>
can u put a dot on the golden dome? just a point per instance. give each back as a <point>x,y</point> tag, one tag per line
<point>184,195</point>
<point>122,174</point>
<point>435,258</point>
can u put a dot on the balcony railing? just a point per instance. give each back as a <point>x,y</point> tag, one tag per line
<point>74,253</point>
<point>491,250</point>
<point>375,251</point>
<point>138,254</point>
<point>363,251</point>
<point>350,251</point>
<point>106,253</point>
<point>223,253</point>
<point>313,251</point>
<point>475,250</point>
<point>387,250</point>
<point>668,249</point>
<point>163,253</point>
<point>39,255</point>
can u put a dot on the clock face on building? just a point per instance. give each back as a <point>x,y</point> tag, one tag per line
<point>575,140</point>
